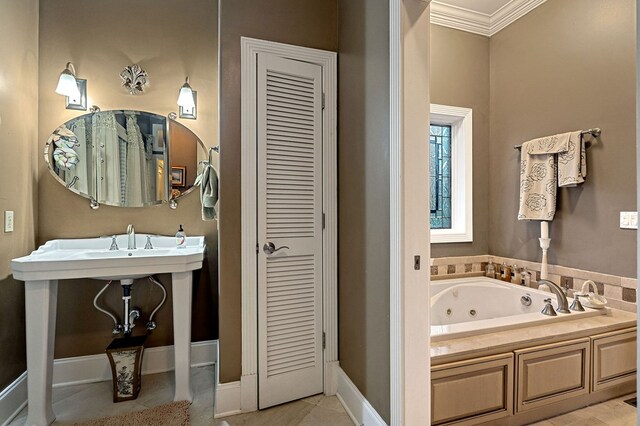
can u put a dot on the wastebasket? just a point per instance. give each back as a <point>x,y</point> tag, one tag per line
<point>125,357</point>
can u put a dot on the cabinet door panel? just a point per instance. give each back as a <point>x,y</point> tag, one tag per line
<point>614,359</point>
<point>472,391</point>
<point>547,374</point>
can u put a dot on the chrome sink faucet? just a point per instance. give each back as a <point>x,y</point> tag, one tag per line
<point>563,304</point>
<point>131,237</point>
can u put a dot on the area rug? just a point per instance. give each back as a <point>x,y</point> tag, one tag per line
<point>171,414</point>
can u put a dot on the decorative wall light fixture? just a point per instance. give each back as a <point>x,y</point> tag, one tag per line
<point>74,89</point>
<point>187,101</point>
<point>134,79</point>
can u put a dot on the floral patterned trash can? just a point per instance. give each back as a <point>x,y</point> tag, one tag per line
<point>125,357</point>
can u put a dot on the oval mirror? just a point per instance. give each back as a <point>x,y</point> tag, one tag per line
<point>125,158</point>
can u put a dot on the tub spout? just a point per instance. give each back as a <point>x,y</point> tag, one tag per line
<point>563,304</point>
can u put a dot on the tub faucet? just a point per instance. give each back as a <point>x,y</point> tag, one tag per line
<point>563,305</point>
<point>131,234</point>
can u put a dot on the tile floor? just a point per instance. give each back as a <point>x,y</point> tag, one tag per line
<point>89,401</point>
<point>317,410</point>
<point>610,413</point>
<point>83,402</point>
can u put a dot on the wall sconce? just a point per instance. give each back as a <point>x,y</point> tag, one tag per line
<point>187,101</point>
<point>74,89</point>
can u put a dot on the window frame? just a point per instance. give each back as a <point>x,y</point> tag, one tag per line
<point>461,122</point>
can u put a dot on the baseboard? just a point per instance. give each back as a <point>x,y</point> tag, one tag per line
<point>13,399</point>
<point>241,397</point>
<point>228,396</point>
<point>331,377</point>
<point>248,393</point>
<point>356,405</point>
<point>95,368</point>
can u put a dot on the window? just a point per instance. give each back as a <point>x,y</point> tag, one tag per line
<point>450,174</point>
<point>440,175</point>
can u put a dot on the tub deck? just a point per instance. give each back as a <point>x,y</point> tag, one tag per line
<point>480,345</point>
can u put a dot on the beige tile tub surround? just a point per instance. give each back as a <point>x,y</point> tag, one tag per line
<point>619,291</point>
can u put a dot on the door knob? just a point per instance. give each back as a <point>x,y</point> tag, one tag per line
<point>270,248</point>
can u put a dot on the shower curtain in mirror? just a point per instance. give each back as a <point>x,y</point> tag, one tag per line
<point>137,187</point>
<point>106,157</point>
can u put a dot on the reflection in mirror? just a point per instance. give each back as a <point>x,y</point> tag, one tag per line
<point>186,153</point>
<point>124,158</point>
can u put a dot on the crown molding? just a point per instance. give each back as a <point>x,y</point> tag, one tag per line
<point>460,18</point>
<point>481,23</point>
<point>511,12</point>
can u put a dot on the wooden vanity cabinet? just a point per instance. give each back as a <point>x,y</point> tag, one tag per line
<point>471,392</point>
<point>613,359</point>
<point>551,373</point>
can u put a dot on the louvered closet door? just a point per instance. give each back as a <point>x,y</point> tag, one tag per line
<point>289,117</point>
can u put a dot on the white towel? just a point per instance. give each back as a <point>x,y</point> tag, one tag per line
<point>209,192</point>
<point>541,173</point>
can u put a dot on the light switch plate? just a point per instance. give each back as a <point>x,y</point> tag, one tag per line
<point>628,220</point>
<point>8,221</point>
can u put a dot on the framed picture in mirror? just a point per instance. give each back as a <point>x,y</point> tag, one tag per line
<point>178,175</point>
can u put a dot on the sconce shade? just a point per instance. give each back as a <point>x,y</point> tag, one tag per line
<point>67,84</point>
<point>185,98</point>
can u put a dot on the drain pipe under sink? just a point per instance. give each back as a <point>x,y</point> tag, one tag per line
<point>129,315</point>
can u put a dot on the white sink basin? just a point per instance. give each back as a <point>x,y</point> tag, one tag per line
<point>91,258</point>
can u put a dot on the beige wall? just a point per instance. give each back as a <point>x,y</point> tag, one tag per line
<point>567,65</point>
<point>460,77</point>
<point>170,39</point>
<point>18,141</point>
<point>312,23</point>
<point>363,203</point>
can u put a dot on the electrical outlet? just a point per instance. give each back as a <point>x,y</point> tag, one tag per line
<point>8,221</point>
<point>628,220</point>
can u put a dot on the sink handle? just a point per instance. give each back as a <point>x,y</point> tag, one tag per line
<point>148,246</point>
<point>114,243</point>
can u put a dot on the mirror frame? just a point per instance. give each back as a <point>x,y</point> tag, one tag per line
<point>172,202</point>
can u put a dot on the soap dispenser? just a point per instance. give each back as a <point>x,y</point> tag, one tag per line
<point>506,272</point>
<point>526,277</point>
<point>181,238</point>
<point>490,270</point>
<point>515,275</point>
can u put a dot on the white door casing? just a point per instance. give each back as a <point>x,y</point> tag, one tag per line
<point>409,183</point>
<point>328,61</point>
<point>289,203</point>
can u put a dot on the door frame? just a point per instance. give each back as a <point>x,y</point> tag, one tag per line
<point>410,359</point>
<point>328,62</point>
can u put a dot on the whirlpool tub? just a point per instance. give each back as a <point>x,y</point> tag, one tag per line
<point>469,306</point>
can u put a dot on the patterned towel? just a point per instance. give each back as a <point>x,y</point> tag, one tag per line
<point>545,164</point>
<point>572,164</point>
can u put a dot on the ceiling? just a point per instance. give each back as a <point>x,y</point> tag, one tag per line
<point>485,17</point>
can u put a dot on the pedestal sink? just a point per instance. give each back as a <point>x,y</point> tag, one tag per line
<point>91,258</point>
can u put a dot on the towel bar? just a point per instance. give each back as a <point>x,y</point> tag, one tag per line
<point>595,132</point>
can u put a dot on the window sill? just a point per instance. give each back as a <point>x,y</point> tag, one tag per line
<point>440,236</point>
